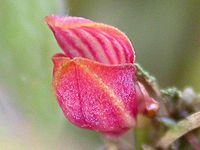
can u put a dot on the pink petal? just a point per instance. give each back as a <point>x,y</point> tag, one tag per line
<point>80,37</point>
<point>96,96</point>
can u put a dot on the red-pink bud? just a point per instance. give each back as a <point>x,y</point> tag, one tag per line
<point>146,104</point>
<point>94,80</point>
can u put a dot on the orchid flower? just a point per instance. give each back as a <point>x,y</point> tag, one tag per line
<point>94,79</point>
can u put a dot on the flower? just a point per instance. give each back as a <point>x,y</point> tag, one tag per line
<point>95,79</point>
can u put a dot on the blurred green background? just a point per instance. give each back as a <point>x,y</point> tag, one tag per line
<point>165,35</point>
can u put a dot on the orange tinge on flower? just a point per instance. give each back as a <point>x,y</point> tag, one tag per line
<point>94,80</point>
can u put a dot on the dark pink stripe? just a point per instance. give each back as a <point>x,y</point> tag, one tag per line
<point>124,47</point>
<point>72,43</point>
<point>101,42</point>
<point>131,51</point>
<point>86,43</point>
<point>62,43</point>
<point>111,39</point>
<point>128,50</point>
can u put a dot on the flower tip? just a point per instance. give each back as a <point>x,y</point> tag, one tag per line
<point>46,19</point>
<point>50,20</point>
<point>65,22</point>
<point>152,107</point>
<point>59,58</point>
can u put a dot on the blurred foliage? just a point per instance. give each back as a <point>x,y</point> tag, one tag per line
<point>30,115</point>
<point>180,129</point>
<point>165,35</point>
<point>26,50</point>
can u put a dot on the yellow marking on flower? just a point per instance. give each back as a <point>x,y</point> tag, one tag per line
<point>115,100</point>
<point>59,71</point>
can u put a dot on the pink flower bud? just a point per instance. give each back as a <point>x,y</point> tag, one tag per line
<point>94,80</point>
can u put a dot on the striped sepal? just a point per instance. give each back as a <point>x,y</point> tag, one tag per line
<point>79,37</point>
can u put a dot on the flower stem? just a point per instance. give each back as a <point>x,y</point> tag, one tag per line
<point>126,142</point>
